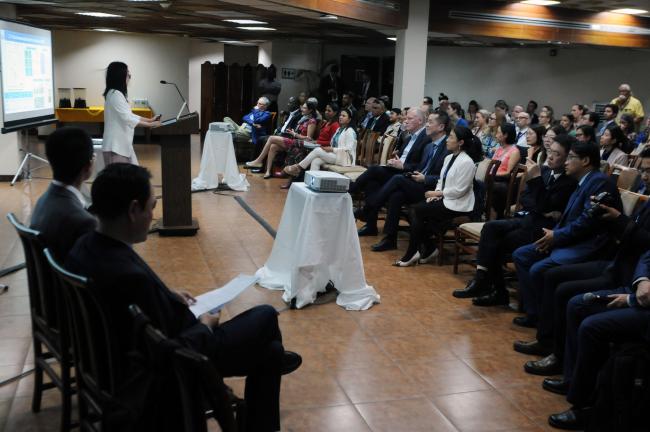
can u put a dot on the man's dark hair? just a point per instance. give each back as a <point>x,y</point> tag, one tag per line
<point>396,111</point>
<point>443,119</point>
<point>563,141</point>
<point>589,132</point>
<point>533,102</point>
<point>116,186</point>
<point>69,150</point>
<point>613,107</point>
<point>585,149</point>
<point>501,104</point>
<point>428,100</point>
<point>645,153</point>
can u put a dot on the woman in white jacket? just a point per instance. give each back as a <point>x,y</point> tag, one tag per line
<point>119,120</point>
<point>453,197</point>
<point>341,151</point>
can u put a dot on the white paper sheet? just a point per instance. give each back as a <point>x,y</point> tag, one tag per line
<point>217,298</point>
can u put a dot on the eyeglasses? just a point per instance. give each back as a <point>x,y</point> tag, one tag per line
<point>579,134</point>
<point>573,156</point>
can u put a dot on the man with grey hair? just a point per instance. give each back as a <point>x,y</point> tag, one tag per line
<point>404,160</point>
<point>628,104</point>
<point>253,124</point>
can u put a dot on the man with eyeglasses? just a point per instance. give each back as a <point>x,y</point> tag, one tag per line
<point>585,133</point>
<point>522,120</point>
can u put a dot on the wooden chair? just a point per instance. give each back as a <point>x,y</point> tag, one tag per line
<point>628,179</point>
<point>50,331</point>
<point>633,161</point>
<point>631,201</point>
<point>467,235</point>
<point>516,187</point>
<point>386,148</point>
<point>94,351</point>
<point>368,148</point>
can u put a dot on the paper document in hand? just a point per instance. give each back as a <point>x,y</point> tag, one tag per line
<point>214,300</point>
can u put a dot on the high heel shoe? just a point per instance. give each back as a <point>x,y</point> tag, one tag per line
<point>413,261</point>
<point>293,170</point>
<point>267,176</point>
<point>430,257</point>
<point>251,165</point>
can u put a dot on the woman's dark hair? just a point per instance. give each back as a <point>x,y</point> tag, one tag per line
<point>116,186</point>
<point>559,130</point>
<point>539,131</point>
<point>456,107</point>
<point>588,132</point>
<point>442,97</point>
<point>428,100</point>
<point>550,111</point>
<point>618,136</point>
<point>581,108</point>
<point>630,123</point>
<point>312,106</point>
<point>396,111</point>
<point>584,150</point>
<point>116,77</point>
<point>569,116</point>
<point>69,150</point>
<point>334,106</point>
<point>349,113</point>
<point>509,131</point>
<point>471,144</point>
<point>474,104</point>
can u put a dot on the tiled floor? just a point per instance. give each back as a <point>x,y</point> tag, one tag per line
<point>420,361</point>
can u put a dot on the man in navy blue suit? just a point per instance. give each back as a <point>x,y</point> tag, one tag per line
<point>408,189</point>
<point>406,160</point>
<point>576,238</point>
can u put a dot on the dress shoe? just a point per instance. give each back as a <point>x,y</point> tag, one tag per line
<point>475,288</point>
<point>367,231</point>
<point>549,365</point>
<point>360,214</point>
<point>408,263</point>
<point>556,385</point>
<point>290,362</point>
<point>525,321</point>
<point>385,244</point>
<point>495,298</point>
<point>532,348</point>
<point>571,419</point>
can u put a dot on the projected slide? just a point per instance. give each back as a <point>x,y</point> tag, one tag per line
<point>27,77</point>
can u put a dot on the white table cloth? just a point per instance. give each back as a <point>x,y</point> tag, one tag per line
<point>317,242</point>
<point>219,159</point>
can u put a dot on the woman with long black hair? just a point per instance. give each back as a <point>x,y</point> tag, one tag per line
<point>453,197</point>
<point>119,120</point>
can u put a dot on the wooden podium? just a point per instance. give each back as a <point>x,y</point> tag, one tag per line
<point>176,164</point>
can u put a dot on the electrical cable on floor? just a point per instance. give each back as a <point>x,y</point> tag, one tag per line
<point>269,229</point>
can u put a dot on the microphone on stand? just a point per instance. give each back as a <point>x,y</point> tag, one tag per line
<point>182,98</point>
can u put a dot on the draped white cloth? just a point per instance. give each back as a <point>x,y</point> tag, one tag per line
<point>317,242</point>
<point>219,159</point>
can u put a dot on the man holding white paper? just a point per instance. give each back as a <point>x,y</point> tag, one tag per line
<point>249,344</point>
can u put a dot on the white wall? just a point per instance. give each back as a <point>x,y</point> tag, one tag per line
<point>298,56</point>
<point>200,53</point>
<point>81,58</point>
<point>575,75</point>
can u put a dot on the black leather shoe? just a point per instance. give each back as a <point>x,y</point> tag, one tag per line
<point>525,321</point>
<point>475,288</point>
<point>290,362</point>
<point>549,365</point>
<point>360,214</point>
<point>495,298</point>
<point>385,244</point>
<point>571,419</point>
<point>367,231</point>
<point>556,385</point>
<point>532,348</point>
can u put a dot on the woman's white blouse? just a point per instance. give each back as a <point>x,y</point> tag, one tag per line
<point>119,124</point>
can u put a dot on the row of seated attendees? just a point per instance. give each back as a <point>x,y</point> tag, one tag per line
<point>98,244</point>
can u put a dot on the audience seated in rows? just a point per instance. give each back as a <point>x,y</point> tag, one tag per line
<point>452,197</point>
<point>341,150</point>
<point>249,344</point>
<point>509,155</point>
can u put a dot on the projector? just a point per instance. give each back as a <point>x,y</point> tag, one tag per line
<point>326,181</point>
<point>221,127</point>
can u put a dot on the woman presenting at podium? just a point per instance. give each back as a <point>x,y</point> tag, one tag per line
<point>119,120</point>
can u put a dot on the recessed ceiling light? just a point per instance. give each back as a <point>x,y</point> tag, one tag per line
<point>629,11</point>
<point>99,14</point>
<point>540,2</point>
<point>257,28</point>
<point>104,30</point>
<point>245,21</point>
<point>394,39</point>
<point>328,17</point>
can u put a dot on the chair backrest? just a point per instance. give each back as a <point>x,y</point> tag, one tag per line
<point>45,302</point>
<point>387,145</point>
<point>604,167</point>
<point>516,185</point>
<point>488,178</point>
<point>94,346</point>
<point>631,201</point>
<point>368,147</point>
<point>628,179</point>
<point>633,160</point>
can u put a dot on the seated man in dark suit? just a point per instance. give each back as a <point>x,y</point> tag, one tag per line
<point>547,192</point>
<point>249,344</point>
<point>563,283</point>
<point>379,120</point>
<point>407,160</point>
<point>60,213</point>
<point>577,237</point>
<point>592,326</point>
<point>408,188</point>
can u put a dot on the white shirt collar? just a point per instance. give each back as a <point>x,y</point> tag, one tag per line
<point>72,189</point>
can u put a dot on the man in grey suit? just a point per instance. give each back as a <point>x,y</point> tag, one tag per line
<point>60,214</point>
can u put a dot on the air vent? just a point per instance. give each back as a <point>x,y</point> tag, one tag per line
<point>541,22</point>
